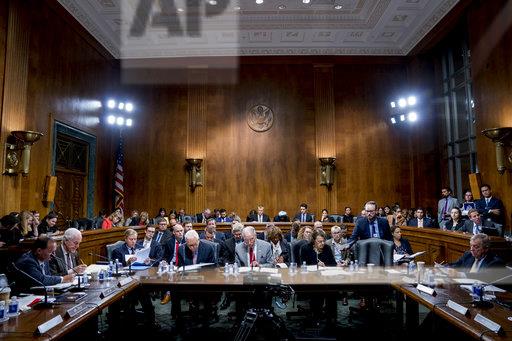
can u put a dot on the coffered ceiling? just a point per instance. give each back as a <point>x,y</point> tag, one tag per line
<point>188,28</point>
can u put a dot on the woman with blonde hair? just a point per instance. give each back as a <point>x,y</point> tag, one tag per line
<point>144,218</point>
<point>26,221</point>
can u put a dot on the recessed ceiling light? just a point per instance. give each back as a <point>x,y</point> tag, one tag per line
<point>306,1</point>
<point>236,8</point>
<point>259,2</point>
<point>180,9</point>
<point>212,2</point>
<point>338,7</point>
<point>281,6</point>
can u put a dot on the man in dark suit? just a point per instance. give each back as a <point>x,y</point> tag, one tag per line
<point>260,216</point>
<point>421,220</point>
<point>66,259</point>
<point>303,215</point>
<point>371,226</point>
<point>162,234</point>
<point>475,225</point>
<point>489,207</point>
<point>156,251</point>
<point>203,216</point>
<point>194,251</point>
<point>478,258</point>
<point>35,263</point>
<point>172,246</point>
<point>212,227</point>
<point>128,248</point>
<point>223,218</point>
<point>227,250</point>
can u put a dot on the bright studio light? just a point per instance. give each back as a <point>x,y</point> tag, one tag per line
<point>259,2</point>
<point>411,100</point>
<point>128,107</point>
<point>111,104</point>
<point>120,106</point>
<point>402,102</point>
<point>402,118</point>
<point>412,116</point>
<point>120,121</point>
<point>111,119</point>
<point>393,104</point>
<point>393,120</point>
<point>129,122</point>
<point>306,1</point>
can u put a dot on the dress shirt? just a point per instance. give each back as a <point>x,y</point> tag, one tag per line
<point>337,251</point>
<point>477,229</point>
<point>159,236</point>
<point>476,265</point>
<point>276,250</point>
<point>374,229</point>
<point>146,243</point>
<point>260,218</point>
<point>253,255</point>
<point>420,222</point>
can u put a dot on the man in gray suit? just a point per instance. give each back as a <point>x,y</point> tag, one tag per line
<point>253,251</point>
<point>445,205</point>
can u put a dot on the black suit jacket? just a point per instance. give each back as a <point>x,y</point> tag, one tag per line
<point>295,250</point>
<point>457,227</point>
<point>199,218</point>
<point>58,263</point>
<point>488,227</point>
<point>309,217</point>
<point>227,251</point>
<point>120,253</point>
<point>483,209</point>
<point>29,264</point>
<point>309,255</point>
<point>254,217</point>
<point>218,235</point>
<point>165,237</point>
<point>362,229</point>
<point>465,262</point>
<point>156,251</point>
<point>347,218</point>
<point>170,247</point>
<point>427,222</point>
<point>205,254</point>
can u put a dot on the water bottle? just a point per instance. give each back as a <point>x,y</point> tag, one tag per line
<point>304,267</point>
<point>411,268</point>
<point>226,269</point>
<point>101,276</point>
<point>162,267</point>
<point>85,280</point>
<point>356,266</point>
<point>13,307</point>
<point>3,316</point>
<point>431,279</point>
<point>110,269</point>
<point>351,266</point>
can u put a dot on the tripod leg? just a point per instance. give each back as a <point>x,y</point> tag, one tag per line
<point>246,326</point>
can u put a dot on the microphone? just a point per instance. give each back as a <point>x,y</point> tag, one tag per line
<point>78,288</point>
<point>183,254</point>
<point>117,274</point>
<point>44,304</point>
<point>99,256</point>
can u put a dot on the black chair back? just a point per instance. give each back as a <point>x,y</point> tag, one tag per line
<point>374,250</point>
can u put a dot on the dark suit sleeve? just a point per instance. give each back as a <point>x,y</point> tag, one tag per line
<point>31,267</point>
<point>118,254</point>
<point>156,254</point>
<point>460,262</point>
<point>387,230</point>
<point>407,246</point>
<point>210,255</point>
<point>57,267</point>
<point>285,251</point>
<point>356,234</point>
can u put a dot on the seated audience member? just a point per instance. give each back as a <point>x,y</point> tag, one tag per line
<point>110,221</point>
<point>479,258</point>
<point>187,226</point>
<point>66,259</point>
<point>264,235</point>
<point>156,252</point>
<point>35,222</point>
<point>119,222</point>
<point>303,214</point>
<point>172,246</point>
<point>235,217</point>
<point>490,207</point>
<point>259,216</point>
<point>317,225</point>
<point>98,221</point>
<point>315,252</point>
<point>282,217</point>
<point>400,218</point>
<point>162,234</point>
<point>381,212</point>
<point>401,245</point>
<point>280,248</point>
<point>204,216</point>
<point>36,264</point>
<point>253,252</point>
<point>26,222</point>
<point>12,233</point>
<point>212,226</point>
<point>303,237</point>
<point>128,248</point>
<point>144,219</point>
<point>325,217</point>
<point>227,250</point>
<point>48,225</point>
<point>445,205</point>
<point>475,224</point>
<point>420,220</point>
<point>162,214</point>
<point>456,222</point>
<point>133,220</point>
<point>251,214</point>
<point>467,204</point>
<point>347,216</point>
<point>194,251</point>
<point>294,231</point>
<point>371,226</point>
<point>389,215</point>
<point>223,218</point>
<point>338,244</point>
<point>209,235</point>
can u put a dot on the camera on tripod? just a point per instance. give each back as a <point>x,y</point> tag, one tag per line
<point>281,293</point>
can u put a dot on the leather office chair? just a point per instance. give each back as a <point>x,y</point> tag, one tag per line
<point>337,218</point>
<point>112,247</point>
<point>216,249</point>
<point>374,250</point>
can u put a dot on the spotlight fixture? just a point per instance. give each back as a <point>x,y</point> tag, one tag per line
<point>259,2</point>
<point>393,105</point>
<point>402,102</point>
<point>129,122</point>
<point>402,118</point>
<point>120,106</point>
<point>111,119</point>
<point>411,100</point>
<point>393,120</point>
<point>118,113</point>
<point>111,104</point>
<point>404,109</point>
<point>338,7</point>
<point>306,1</point>
<point>128,107</point>
<point>412,116</point>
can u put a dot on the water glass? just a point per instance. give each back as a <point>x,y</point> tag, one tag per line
<point>292,270</point>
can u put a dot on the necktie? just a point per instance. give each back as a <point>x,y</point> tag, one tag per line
<point>176,253</point>
<point>445,207</point>
<point>260,219</point>
<point>132,251</point>
<point>474,268</point>
<point>159,236</point>
<point>251,255</point>
<point>43,269</point>
<point>303,219</point>
<point>70,261</point>
<point>486,201</point>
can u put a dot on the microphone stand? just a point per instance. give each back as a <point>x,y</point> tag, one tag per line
<point>79,287</point>
<point>41,305</point>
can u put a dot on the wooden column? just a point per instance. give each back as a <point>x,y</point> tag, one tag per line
<point>196,134</point>
<point>14,99</point>
<point>325,138</point>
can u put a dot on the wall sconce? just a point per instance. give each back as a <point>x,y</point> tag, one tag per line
<point>195,173</point>
<point>327,171</point>
<point>502,137</point>
<point>17,151</point>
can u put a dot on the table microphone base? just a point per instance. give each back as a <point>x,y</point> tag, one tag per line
<point>43,305</point>
<point>482,304</point>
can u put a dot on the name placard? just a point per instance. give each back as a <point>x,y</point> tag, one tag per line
<point>43,328</point>
<point>77,309</point>
<point>124,281</point>
<point>426,290</point>
<point>457,307</point>
<point>408,280</point>
<point>484,321</point>
<point>107,292</point>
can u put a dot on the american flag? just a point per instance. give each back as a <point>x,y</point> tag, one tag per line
<point>118,177</point>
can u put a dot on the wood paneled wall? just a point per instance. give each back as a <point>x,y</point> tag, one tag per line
<point>338,108</point>
<point>490,37</point>
<point>51,73</point>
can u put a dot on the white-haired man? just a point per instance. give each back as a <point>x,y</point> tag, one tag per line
<point>66,259</point>
<point>194,251</point>
<point>253,251</point>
